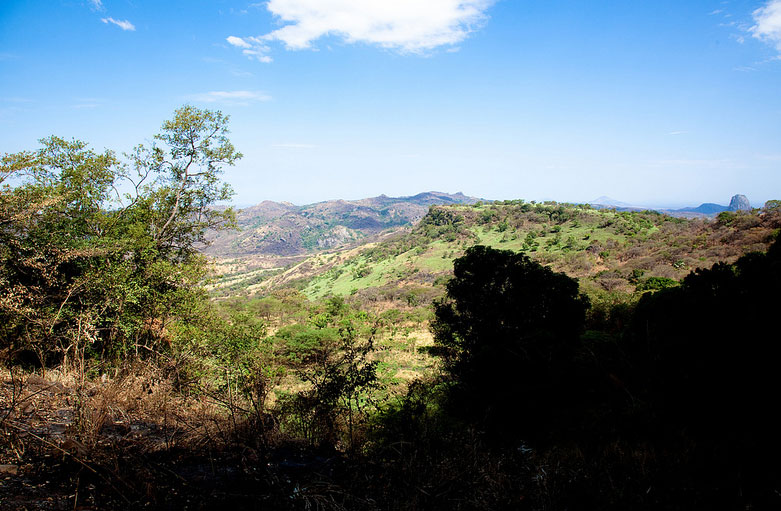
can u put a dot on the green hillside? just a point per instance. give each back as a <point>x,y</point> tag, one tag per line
<point>280,229</point>
<point>607,250</point>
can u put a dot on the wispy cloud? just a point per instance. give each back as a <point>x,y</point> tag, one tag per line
<point>294,146</point>
<point>767,25</point>
<point>85,106</point>
<point>769,157</point>
<point>16,99</point>
<point>696,163</point>
<point>87,103</point>
<point>679,132</point>
<point>241,73</point>
<point>123,24</point>
<point>407,26</point>
<point>253,47</point>
<point>236,97</point>
<point>97,5</point>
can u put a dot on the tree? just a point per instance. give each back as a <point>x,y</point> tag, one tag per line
<point>185,178</point>
<point>772,205</point>
<point>507,329</point>
<point>89,271</point>
<point>339,373</point>
<point>53,233</point>
<point>705,362</point>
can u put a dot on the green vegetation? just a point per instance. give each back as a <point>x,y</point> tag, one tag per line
<point>507,332</point>
<point>606,250</point>
<point>608,359</point>
<point>91,273</point>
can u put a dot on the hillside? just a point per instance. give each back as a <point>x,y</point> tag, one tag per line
<point>607,250</point>
<point>281,229</point>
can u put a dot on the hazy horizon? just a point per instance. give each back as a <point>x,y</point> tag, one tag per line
<point>661,205</point>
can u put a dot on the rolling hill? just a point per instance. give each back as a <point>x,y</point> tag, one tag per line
<point>608,250</point>
<point>281,229</point>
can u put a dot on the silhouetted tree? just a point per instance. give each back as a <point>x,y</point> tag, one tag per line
<point>706,359</point>
<point>508,329</point>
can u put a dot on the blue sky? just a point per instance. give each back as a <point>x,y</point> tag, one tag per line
<point>653,103</point>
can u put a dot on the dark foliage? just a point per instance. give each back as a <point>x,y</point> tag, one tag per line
<point>508,330</point>
<point>705,364</point>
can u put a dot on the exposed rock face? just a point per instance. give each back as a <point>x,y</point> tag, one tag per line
<point>739,203</point>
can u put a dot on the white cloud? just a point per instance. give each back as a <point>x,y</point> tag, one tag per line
<point>253,47</point>
<point>236,97</point>
<point>238,42</point>
<point>768,23</point>
<point>407,26</point>
<point>123,24</point>
<point>97,5</point>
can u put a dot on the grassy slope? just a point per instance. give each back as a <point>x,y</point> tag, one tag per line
<point>605,249</point>
<point>609,252</point>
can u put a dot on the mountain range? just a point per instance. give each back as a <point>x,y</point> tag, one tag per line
<point>708,209</point>
<point>274,230</point>
<point>284,229</point>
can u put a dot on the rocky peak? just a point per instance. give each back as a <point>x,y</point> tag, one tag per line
<point>739,203</point>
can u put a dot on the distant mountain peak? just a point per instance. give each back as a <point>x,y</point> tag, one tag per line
<point>282,229</point>
<point>739,203</point>
<point>706,208</point>
<point>608,201</point>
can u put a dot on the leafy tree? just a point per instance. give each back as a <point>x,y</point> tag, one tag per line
<point>185,179</point>
<point>91,272</point>
<point>508,329</point>
<point>341,378</point>
<point>530,242</point>
<point>655,284</point>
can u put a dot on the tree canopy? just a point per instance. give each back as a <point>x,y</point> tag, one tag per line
<point>507,329</point>
<point>98,251</point>
<point>705,360</point>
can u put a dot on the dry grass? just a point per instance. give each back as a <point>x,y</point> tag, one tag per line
<point>139,406</point>
<point>73,439</point>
